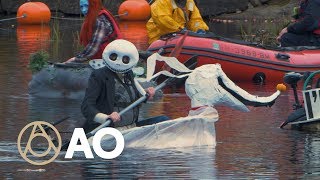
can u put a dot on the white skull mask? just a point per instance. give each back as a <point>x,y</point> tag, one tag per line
<point>120,56</point>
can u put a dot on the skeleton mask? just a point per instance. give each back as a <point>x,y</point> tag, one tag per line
<point>120,56</point>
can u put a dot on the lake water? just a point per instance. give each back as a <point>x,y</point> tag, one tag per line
<point>249,145</point>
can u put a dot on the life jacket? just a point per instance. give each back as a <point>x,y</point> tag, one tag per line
<point>116,34</point>
<point>126,95</point>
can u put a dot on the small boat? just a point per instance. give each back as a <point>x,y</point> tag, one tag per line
<point>241,61</point>
<point>68,81</point>
<point>60,81</point>
<point>176,133</point>
<point>307,116</point>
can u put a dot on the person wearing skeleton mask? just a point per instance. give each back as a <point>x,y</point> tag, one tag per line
<point>119,57</point>
<point>168,16</point>
<point>97,31</point>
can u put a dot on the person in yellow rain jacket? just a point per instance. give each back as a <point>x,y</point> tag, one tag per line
<point>169,16</point>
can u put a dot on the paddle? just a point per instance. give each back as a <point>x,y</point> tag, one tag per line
<point>60,121</point>
<point>54,124</point>
<point>177,50</point>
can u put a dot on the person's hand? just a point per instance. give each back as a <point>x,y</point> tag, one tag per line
<point>151,91</point>
<point>183,30</point>
<point>283,31</point>
<point>71,60</point>
<point>201,31</point>
<point>115,116</point>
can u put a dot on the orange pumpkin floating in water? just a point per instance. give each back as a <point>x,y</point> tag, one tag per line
<point>34,12</point>
<point>281,87</point>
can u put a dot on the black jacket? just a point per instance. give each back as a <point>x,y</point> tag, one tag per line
<point>100,94</point>
<point>308,17</point>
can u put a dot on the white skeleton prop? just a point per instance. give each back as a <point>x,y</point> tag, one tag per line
<point>208,85</point>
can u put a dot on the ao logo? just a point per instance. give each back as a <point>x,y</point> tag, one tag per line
<point>40,129</point>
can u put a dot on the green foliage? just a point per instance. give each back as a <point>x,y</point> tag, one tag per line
<point>263,32</point>
<point>76,41</point>
<point>38,61</point>
<point>56,34</point>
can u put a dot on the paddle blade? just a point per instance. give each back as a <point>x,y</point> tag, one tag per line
<point>297,115</point>
<point>192,62</point>
<point>176,51</point>
<point>152,120</point>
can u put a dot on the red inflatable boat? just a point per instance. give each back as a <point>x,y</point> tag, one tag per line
<point>242,61</point>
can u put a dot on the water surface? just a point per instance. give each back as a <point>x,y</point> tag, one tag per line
<point>249,145</point>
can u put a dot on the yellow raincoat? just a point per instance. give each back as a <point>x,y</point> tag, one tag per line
<point>167,17</point>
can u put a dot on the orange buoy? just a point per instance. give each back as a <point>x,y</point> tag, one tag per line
<point>136,10</point>
<point>34,12</point>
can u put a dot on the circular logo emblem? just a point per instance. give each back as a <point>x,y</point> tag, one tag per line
<point>40,155</point>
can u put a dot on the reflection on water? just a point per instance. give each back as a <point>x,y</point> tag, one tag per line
<point>135,32</point>
<point>133,163</point>
<point>188,163</point>
<point>249,145</point>
<point>30,39</point>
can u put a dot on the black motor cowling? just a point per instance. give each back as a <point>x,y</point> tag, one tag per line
<point>292,78</point>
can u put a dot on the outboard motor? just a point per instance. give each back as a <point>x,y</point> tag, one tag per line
<point>292,78</point>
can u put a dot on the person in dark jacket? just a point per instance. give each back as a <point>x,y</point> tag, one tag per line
<point>98,102</point>
<point>306,29</point>
<point>119,57</point>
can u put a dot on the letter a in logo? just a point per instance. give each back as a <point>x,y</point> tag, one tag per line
<point>39,130</point>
